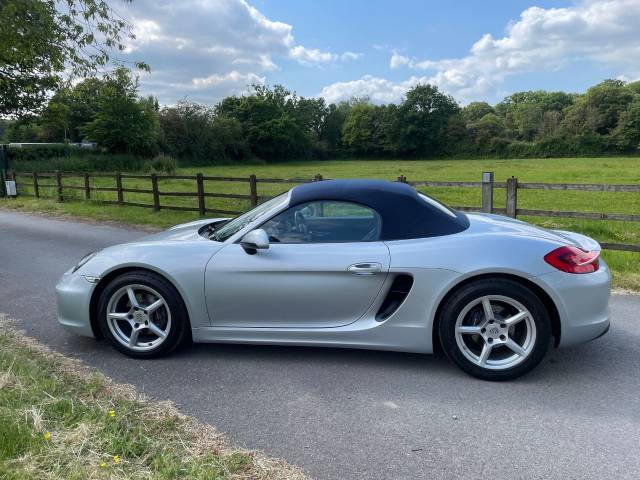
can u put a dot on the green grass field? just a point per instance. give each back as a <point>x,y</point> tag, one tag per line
<point>625,170</point>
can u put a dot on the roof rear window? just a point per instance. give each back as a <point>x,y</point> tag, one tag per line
<point>434,203</point>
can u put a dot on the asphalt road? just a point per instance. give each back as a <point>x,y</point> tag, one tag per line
<point>344,414</point>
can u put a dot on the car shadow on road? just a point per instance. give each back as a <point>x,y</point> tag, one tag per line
<point>584,363</point>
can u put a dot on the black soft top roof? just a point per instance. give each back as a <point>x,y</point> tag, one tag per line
<point>405,214</point>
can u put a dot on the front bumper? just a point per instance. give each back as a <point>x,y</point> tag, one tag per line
<point>583,303</point>
<point>73,293</point>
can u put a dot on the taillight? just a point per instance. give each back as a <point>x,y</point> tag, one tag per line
<point>573,260</point>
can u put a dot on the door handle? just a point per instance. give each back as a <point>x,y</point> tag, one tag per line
<point>367,268</point>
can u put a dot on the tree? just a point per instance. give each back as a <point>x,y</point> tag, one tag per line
<point>311,113</point>
<point>24,129</point>
<point>360,132</point>
<point>331,128</point>
<point>610,98</point>
<point>475,111</point>
<point>424,116</point>
<point>524,112</point>
<point>581,118</point>
<point>55,122</point>
<point>123,123</point>
<point>278,124</point>
<point>598,110</point>
<point>634,87</point>
<point>195,134</point>
<point>627,132</point>
<point>83,102</point>
<point>230,142</point>
<point>488,128</point>
<point>4,126</point>
<point>279,138</point>
<point>40,39</point>
<point>187,133</point>
<point>458,137</point>
<point>550,126</point>
<point>547,100</point>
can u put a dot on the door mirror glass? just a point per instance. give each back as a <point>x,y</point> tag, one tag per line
<point>255,240</point>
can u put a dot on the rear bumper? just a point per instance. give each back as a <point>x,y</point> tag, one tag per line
<point>583,303</point>
<point>73,293</point>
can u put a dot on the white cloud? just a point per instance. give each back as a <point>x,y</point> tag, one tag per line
<point>378,90</point>
<point>308,56</point>
<point>232,78</point>
<point>209,49</point>
<point>398,60</point>
<point>346,56</point>
<point>595,31</point>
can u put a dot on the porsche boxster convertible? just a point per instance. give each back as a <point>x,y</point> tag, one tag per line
<point>348,263</point>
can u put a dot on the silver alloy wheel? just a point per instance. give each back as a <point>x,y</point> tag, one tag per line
<point>138,317</point>
<point>495,332</point>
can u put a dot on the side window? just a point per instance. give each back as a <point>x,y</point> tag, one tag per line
<point>324,222</point>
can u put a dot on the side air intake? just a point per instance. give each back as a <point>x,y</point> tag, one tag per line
<point>397,293</point>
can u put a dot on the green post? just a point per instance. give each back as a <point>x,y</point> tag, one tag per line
<point>4,160</point>
<point>3,191</point>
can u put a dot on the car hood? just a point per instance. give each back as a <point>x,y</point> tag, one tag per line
<point>182,232</point>
<point>485,222</point>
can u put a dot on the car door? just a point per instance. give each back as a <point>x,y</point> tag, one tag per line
<point>324,268</point>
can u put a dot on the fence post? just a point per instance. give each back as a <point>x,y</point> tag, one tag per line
<point>402,179</point>
<point>119,187</point>
<point>59,185</point>
<point>487,192</point>
<point>156,194</point>
<point>200,183</point>
<point>512,197</point>
<point>87,187</point>
<point>253,190</point>
<point>36,190</point>
<point>3,192</point>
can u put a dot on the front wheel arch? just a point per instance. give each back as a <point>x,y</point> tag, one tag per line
<point>104,281</point>
<point>548,302</point>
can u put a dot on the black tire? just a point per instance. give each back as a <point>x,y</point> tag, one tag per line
<point>474,290</point>
<point>179,328</point>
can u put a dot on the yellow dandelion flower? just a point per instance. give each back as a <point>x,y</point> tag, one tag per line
<point>112,413</point>
<point>116,459</point>
<point>103,465</point>
<point>47,435</point>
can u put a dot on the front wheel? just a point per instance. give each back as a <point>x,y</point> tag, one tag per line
<point>142,315</point>
<point>495,329</point>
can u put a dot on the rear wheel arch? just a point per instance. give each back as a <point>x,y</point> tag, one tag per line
<point>104,281</point>
<point>544,297</point>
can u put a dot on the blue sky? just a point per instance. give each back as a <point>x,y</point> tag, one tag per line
<point>206,49</point>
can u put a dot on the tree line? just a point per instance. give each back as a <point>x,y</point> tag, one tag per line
<point>273,124</point>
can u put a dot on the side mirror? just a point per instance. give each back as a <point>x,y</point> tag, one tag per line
<point>255,240</point>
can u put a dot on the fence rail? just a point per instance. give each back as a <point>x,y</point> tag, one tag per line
<point>487,186</point>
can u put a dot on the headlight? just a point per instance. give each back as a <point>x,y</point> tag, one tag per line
<point>84,260</point>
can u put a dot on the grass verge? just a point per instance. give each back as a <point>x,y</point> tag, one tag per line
<point>61,419</point>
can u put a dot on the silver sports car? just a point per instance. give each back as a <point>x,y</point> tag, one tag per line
<point>348,263</point>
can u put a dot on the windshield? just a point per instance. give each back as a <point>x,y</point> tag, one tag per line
<point>234,226</point>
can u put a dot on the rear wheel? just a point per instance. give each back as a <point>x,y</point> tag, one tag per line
<point>142,315</point>
<point>495,329</point>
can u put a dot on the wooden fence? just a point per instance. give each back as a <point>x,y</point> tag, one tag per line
<point>487,185</point>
